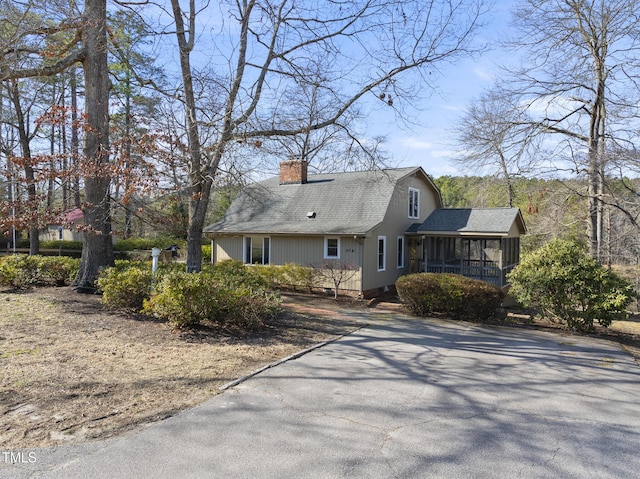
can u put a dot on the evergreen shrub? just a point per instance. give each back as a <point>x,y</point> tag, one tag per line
<point>188,299</point>
<point>451,295</point>
<point>24,271</point>
<point>126,286</point>
<point>563,283</point>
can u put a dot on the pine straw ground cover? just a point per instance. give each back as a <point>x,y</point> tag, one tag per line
<point>71,371</point>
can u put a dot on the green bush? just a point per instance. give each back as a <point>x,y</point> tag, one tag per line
<point>58,270</point>
<point>184,299</point>
<point>449,294</point>
<point>24,271</point>
<point>296,277</point>
<point>187,299</point>
<point>161,242</point>
<point>206,253</point>
<point>125,287</point>
<point>563,283</point>
<point>61,244</point>
<point>20,271</point>
<point>290,276</point>
<point>234,273</point>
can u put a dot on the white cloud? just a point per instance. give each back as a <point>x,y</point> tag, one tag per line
<point>483,73</point>
<point>415,143</point>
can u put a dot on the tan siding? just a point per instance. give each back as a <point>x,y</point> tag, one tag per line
<point>396,222</point>
<point>303,250</point>
<point>228,247</point>
<point>309,252</point>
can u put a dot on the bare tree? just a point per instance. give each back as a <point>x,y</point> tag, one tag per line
<point>371,47</point>
<point>335,272</point>
<point>578,82</point>
<point>495,136</point>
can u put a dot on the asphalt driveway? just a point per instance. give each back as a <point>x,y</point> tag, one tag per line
<point>397,399</point>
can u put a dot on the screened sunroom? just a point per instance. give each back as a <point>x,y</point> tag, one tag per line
<point>479,243</point>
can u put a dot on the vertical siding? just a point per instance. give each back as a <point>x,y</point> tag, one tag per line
<point>307,251</point>
<point>228,247</point>
<point>395,224</point>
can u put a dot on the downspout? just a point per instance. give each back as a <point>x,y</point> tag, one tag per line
<point>361,266</point>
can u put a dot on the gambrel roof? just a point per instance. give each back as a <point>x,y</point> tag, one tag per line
<point>350,203</point>
<point>468,221</point>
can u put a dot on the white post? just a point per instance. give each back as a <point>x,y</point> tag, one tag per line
<point>155,254</point>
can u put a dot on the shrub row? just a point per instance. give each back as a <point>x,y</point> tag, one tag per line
<point>290,276</point>
<point>450,295</point>
<point>23,271</point>
<point>52,244</point>
<point>227,294</point>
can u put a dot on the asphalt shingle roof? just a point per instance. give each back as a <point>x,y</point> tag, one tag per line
<point>343,203</point>
<point>471,220</point>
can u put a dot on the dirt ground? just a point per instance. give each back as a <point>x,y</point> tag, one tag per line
<point>71,371</point>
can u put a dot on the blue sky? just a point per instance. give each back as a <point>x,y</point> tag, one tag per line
<point>429,143</point>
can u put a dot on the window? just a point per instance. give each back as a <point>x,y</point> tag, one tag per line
<point>400,263</point>
<point>414,203</point>
<point>256,250</point>
<point>332,248</point>
<point>382,253</point>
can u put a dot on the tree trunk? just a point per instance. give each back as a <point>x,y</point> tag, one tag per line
<point>29,173</point>
<point>98,247</point>
<point>197,216</point>
<point>200,186</point>
<point>75,143</point>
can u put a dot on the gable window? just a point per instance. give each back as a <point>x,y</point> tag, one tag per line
<point>400,262</point>
<point>382,253</point>
<point>256,249</point>
<point>332,248</point>
<point>414,203</point>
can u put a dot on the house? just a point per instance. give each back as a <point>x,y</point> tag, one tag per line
<point>65,230</point>
<point>368,222</point>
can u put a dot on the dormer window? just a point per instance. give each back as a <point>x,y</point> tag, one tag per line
<point>414,203</point>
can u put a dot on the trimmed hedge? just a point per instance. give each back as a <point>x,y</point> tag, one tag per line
<point>161,242</point>
<point>61,244</point>
<point>451,295</point>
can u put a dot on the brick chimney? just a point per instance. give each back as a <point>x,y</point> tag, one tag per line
<point>293,172</point>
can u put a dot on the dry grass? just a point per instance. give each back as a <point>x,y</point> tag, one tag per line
<point>71,371</point>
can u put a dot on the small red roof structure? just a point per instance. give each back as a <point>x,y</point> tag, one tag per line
<point>74,215</point>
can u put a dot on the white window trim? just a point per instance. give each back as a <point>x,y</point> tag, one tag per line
<point>249,261</point>
<point>400,264</point>
<point>384,253</point>
<point>268,250</point>
<point>326,247</point>
<point>413,191</point>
